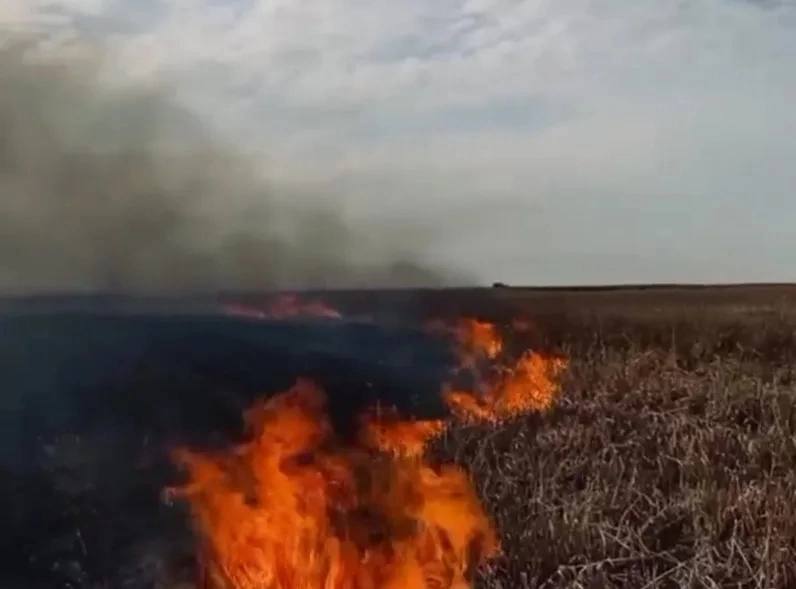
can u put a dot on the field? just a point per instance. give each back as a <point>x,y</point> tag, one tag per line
<point>669,459</point>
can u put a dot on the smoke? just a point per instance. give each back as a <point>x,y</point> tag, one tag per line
<point>112,189</point>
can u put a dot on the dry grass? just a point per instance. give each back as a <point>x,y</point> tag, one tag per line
<point>669,460</point>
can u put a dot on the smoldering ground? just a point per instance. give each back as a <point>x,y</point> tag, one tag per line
<point>123,190</point>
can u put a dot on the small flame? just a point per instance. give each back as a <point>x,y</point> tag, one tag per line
<point>479,337</point>
<point>388,432</point>
<point>504,388</point>
<point>294,507</point>
<point>527,386</point>
<point>475,338</point>
<point>288,306</point>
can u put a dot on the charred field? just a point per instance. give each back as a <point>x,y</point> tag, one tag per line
<point>668,459</point>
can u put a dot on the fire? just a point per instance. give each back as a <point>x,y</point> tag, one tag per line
<point>287,306</point>
<point>388,432</point>
<point>295,507</point>
<point>503,388</point>
<point>479,337</point>
<point>476,339</point>
<point>292,508</point>
<point>529,385</point>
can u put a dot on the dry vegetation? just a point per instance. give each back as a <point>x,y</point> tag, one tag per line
<point>669,460</point>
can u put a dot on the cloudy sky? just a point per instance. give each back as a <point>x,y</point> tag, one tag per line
<point>543,142</point>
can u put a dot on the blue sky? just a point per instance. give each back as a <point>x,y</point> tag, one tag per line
<point>541,141</point>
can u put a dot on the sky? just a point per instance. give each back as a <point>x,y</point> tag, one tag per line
<point>538,142</point>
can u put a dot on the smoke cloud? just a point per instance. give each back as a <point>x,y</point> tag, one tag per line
<point>111,189</point>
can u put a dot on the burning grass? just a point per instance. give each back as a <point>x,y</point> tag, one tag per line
<point>286,306</point>
<point>291,508</point>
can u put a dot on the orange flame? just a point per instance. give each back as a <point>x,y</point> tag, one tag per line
<point>388,432</point>
<point>293,507</point>
<point>288,306</point>
<point>512,388</point>
<point>476,339</point>
<point>528,386</point>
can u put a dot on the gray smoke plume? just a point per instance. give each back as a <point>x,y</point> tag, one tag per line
<point>103,189</point>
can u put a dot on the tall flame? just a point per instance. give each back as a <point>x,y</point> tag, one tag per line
<point>295,508</point>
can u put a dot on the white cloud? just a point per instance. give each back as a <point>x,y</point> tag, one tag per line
<point>421,109</point>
